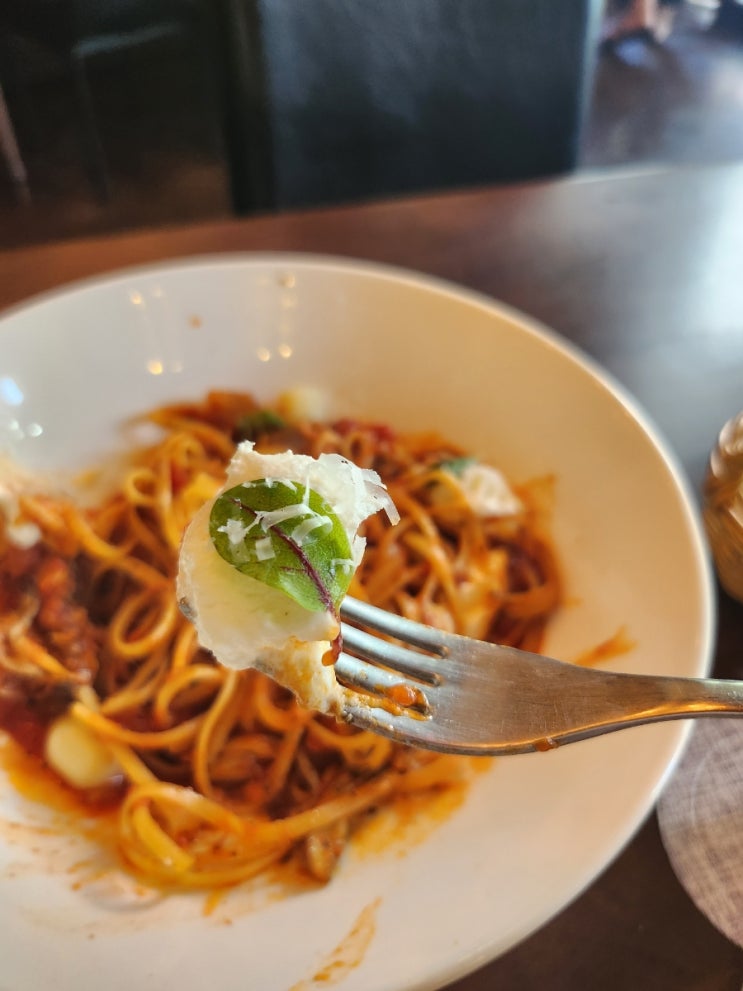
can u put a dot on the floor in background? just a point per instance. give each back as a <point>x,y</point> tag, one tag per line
<point>680,102</point>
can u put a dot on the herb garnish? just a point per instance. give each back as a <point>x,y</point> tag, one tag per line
<point>287,536</point>
<point>456,466</point>
<point>250,426</point>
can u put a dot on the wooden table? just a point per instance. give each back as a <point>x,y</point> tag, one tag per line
<point>645,272</point>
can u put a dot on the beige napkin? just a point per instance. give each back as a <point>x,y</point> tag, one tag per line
<point>701,822</point>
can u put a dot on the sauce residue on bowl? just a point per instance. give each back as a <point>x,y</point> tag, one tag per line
<point>65,814</point>
<point>349,952</point>
<point>54,812</point>
<point>618,643</point>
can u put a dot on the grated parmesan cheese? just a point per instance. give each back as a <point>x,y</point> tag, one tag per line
<point>246,623</point>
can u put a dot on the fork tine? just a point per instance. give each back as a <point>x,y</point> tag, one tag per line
<point>425,637</point>
<point>396,726</point>
<point>425,732</point>
<point>410,662</point>
<point>358,674</point>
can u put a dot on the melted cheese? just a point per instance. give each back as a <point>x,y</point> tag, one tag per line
<point>246,623</point>
<point>488,492</point>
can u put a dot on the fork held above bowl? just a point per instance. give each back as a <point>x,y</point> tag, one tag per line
<point>457,695</point>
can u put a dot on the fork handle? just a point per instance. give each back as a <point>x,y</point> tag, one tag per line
<point>611,701</point>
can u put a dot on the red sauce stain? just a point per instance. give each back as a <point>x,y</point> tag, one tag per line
<point>66,817</point>
<point>348,954</point>
<point>617,644</point>
<point>406,696</point>
<point>32,779</point>
<point>543,746</point>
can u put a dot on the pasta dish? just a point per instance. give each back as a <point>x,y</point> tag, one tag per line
<point>218,773</point>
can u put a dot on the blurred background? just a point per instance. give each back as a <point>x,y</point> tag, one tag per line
<point>122,114</point>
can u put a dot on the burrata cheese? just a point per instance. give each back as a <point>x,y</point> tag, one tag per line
<point>247,623</point>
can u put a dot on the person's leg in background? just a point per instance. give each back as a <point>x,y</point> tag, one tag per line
<point>651,20</point>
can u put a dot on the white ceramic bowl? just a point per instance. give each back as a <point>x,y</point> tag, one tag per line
<point>417,353</point>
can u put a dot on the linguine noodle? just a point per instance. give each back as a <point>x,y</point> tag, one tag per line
<point>217,773</point>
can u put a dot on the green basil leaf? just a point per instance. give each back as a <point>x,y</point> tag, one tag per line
<point>250,426</point>
<point>456,466</point>
<point>286,536</point>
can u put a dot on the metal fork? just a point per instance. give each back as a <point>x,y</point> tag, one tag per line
<point>450,693</point>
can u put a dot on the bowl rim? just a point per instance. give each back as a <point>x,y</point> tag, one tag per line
<point>419,279</point>
<point>533,327</point>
